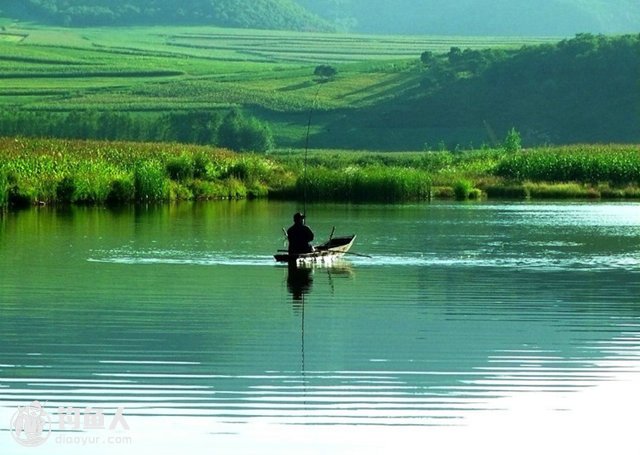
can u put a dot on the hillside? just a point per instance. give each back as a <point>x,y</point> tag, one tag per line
<point>260,14</point>
<point>481,17</point>
<point>553,94</point>
<point>145,83</point>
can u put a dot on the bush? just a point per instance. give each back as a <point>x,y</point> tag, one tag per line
<point>65,190</point>
<point>121,190</point>
<point>462,189</point>
<point>201,162</point>
<point>180,168</point>
<point>243,135</point>
<point>21,196</point>
<point>513,141</point>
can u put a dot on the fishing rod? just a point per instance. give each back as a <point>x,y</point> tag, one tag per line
<point>306,151</point>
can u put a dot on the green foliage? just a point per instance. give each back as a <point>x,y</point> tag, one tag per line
<point>325,72</point>
<point>363,184</point>
<point>94,172</point>
<point>180,168</point>
<point>276,14</point>
<point>150,183</point>
<point>174,84</point>
<point>560,191</point>
<point>197,127</point>
<point>462,189</point>
<point>244,134</point>
<point>121,190</point>
<point>619,165</point>
<point>512,142</point>
<point>427,58</point>
<point>4,187</point>
<point>66,189</point>
<point>555,93</point>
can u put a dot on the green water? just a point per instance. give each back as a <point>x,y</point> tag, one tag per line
<point>470,323</point>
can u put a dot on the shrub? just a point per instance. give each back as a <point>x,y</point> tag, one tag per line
<point>462,189</point>
<point>201,163</point>
<point>180,192</point>
<point>475,194</point>
<point>65,190</point>
<point>513,142</point>
<point>121,190</point>
<point>21,196</point>
<point>180,168</point>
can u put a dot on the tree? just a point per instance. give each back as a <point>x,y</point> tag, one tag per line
<point>513,142</point>
<point>241,134</point>
<point>325,72</point>
<point>426,58</point>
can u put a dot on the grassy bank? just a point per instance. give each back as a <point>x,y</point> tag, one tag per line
<point>93,172</point>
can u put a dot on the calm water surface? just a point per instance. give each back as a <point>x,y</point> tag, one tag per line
<point>483,328</point>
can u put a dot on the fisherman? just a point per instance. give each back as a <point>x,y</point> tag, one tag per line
<point>300,236</point>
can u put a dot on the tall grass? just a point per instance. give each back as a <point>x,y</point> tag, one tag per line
<point>619,165</point>
<point>362,184</point>
<point>94,172</point>
<point>4,187</point>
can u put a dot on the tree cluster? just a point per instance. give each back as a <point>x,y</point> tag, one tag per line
<point>580,89</point>
<point>232,130</point>
<point>267,14</point>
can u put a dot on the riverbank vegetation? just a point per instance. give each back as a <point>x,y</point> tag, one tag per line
<point>54,171</point>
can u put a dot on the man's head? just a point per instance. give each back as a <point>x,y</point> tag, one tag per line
<point>298,218</point>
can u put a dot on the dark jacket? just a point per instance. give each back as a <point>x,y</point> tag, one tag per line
<point>300,237</point>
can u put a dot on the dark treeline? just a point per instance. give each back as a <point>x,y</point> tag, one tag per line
<point>268,14</point>
<point>584,89</point>
<point>232,130</point>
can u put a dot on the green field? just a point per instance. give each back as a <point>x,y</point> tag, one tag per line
<point>158,69</point>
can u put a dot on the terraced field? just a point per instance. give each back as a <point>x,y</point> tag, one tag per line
<point>190,68</point>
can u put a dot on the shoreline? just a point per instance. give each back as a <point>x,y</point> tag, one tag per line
<point>101,173</point>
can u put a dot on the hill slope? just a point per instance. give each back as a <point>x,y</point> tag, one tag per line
<point>552,94</point>
<point>481,17</point>
<point>262,14</point>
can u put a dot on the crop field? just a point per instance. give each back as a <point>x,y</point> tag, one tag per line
<point>156,69</point>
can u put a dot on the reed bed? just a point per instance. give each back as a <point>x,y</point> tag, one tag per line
<point>371,183</point>
<point>93,172</point>
<point>99,172</point>
<point>616,164</point>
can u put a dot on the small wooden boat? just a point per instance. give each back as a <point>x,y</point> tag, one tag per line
<point>332,249</point>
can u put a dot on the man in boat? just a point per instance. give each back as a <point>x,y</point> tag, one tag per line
<point>300,236</point>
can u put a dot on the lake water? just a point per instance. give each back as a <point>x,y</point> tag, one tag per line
<point>474,328</point>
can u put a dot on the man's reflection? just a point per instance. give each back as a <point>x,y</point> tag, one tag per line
<point>299,281</point>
